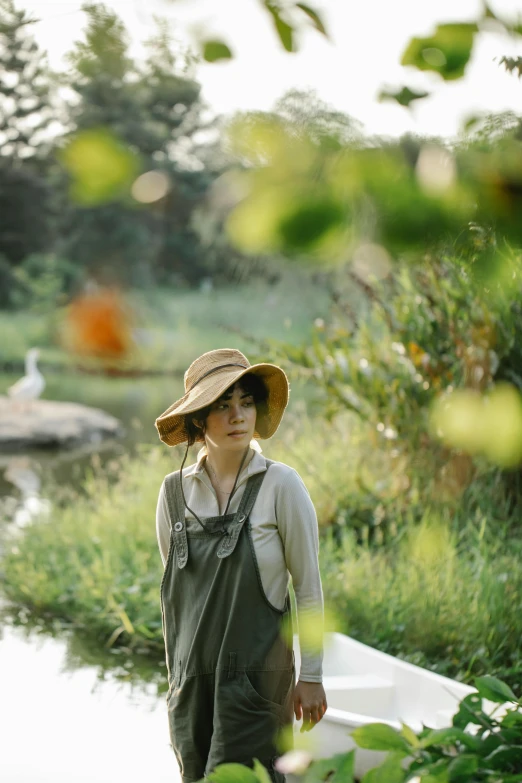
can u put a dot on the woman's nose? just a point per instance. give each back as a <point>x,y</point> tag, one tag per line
<point>236,412</point>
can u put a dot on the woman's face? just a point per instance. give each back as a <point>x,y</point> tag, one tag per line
<point>232,420</point>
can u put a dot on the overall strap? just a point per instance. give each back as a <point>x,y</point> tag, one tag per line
<point>252,488</point>
<point>177,516</point>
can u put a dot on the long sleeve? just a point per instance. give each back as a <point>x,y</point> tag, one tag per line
<point>298,528</point>
<point>163,524</point>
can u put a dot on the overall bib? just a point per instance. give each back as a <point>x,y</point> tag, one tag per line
<point>231,675</point>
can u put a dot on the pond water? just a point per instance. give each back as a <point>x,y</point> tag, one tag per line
<point>66,725</point>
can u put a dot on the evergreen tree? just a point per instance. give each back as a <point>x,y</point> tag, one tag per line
<point>154,109</point>
<point>26,109</point>
<point>26,114</point>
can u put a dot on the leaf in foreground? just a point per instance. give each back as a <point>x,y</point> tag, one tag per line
<point>446,52</point>
<point>461,768</point>
<point>102,168</point>
<point>390,771</point>
<point>232,773</point>
<point>314,16</point>
<point>380,736</point>
<point>494,689</point>
<point>283,29</point>
<point>404,96</point>
<point>341,765</point>
<point>216,50</point>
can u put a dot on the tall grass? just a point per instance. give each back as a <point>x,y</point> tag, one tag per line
<point>443,596</point>
<point>452,606</point>
<point>95,561</point>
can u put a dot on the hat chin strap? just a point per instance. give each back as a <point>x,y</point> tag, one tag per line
<point>205,528</point>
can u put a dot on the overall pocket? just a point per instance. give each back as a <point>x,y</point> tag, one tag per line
<point>269,688</point>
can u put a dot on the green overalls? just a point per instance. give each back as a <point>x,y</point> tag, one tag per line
<point>231,674</point>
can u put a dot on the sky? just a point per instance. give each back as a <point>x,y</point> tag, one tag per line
<point>362,57</point>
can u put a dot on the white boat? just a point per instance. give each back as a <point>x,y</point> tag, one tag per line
<point>365,686</point>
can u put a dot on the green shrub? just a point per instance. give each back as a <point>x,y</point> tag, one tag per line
<point>479,746</point>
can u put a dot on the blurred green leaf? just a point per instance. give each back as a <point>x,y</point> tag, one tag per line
<point>102,168</point>
<point>308,221</point>
<point>493,689</point>
<point>390,771</point>
<point>380,736</point>
<point>404,96</point>
<point>470,711</point>
<point>505,757</point>
<point>314,16</point>
<point>472,121</point>
<point>448,736</point>
<point>461,768</point>
<point>261,772</point>
<point>409,735</point>
<point>232,773</point>
<point>489,424</point>
<point>341,765</point>
<point>216,50</point>
<point>446,52</point>
<point>283,29</point>
<point>487,13</point>
<point>512,64</point>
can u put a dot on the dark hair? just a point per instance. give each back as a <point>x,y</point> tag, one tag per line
<point>249,383</point>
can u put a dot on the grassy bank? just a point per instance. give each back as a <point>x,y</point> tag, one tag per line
<point>448,600</point>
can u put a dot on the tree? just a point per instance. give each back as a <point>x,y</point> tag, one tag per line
<point>308,114</point>
<point>26,105</point>
<point>26,113</point>
<point>154,110</point>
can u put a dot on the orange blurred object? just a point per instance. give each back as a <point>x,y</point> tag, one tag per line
<point>98,324</point>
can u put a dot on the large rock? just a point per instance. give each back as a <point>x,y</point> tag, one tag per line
<point>51,424</point>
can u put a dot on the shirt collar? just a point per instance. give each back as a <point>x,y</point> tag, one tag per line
<point>257,464</point>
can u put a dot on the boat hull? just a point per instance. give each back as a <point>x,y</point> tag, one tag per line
<point>363,686</point>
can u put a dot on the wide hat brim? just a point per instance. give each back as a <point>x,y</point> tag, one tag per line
<point>171,424</point>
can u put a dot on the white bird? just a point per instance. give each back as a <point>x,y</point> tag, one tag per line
<point>32,384</point>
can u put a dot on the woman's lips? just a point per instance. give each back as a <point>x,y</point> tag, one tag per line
<point>237,434</point>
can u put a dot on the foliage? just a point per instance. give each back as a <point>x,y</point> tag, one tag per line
<point>25,221</point>
<point>43,282</point>
<point>399,353</point>
<point>321,201</point>
<point>479,746</point>
<point>286,18</point>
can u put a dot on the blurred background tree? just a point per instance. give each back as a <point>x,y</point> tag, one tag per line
<point>27,114</point>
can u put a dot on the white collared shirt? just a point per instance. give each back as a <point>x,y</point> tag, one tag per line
<point>284,533</point>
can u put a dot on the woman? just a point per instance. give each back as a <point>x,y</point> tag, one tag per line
<point>231,529</point>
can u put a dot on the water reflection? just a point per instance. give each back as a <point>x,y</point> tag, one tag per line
<point>66,722</point>
<point>21,472</point>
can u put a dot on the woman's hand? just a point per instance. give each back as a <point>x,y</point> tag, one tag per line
<point>309,703</point>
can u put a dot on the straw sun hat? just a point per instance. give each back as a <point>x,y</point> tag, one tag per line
<point>208,377</point>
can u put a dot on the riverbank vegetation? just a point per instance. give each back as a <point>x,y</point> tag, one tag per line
<point>444,592</point>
